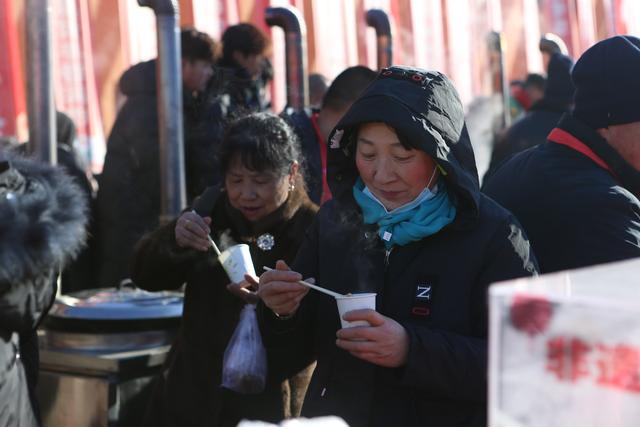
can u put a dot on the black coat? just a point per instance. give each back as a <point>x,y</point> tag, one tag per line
<point>530,130</point>
<point>301,122</point>
<point>444,380</point>
<point>245,94</point>
<point>575,212</point>
<point>129,188</point>
<point>188,393</point>
<point>543,116</point>
<point>42,226</point>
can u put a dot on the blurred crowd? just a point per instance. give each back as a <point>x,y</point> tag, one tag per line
<point>371,189</point>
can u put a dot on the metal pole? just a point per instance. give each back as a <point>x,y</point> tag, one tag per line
<point>40,105</point>
<point>379,20</point>
<point>169,92</point>
<point>295,32</point>
<point>499,78</point>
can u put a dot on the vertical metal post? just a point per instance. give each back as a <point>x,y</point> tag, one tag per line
<point>498,75</point>
<point>295,32</point>
<point>169,93</point>
<point>40,105</point>
<point>379,20</point>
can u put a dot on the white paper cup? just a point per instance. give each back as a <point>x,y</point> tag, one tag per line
<point>236,261</point>
<point>355,302</point>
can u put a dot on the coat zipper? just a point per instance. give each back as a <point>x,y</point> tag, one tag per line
<point>387,254</point>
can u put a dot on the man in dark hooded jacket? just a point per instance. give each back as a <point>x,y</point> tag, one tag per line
<point>430,290</point>
<point>534,127</point>
<point>129,188</point>
<point>576,195</point>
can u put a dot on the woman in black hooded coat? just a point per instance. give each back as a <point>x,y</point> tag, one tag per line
<point>423,360</point>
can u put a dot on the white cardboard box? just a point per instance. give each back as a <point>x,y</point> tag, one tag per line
<point>565,349</point>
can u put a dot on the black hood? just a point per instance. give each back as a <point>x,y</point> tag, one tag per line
<point>424,108</point>
<point>559,87</point>
<point>140,79</point>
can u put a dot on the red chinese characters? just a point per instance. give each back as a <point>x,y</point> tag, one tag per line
<point>571,359</point>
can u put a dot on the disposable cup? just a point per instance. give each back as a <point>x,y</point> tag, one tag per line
<point>352,302</point>
<point>236,261</point>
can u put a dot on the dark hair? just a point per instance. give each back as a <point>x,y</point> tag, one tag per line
<point>263,142</point>
<point>347,87</point>
<point>245,38</point>
<point>535,80</point>
<point>351,141</point>
<point>196,45</point>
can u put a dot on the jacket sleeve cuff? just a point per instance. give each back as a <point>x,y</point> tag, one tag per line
<point>405,374</point>
<point>274,324</point>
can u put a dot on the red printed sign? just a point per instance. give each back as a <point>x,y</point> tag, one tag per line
<point>572,359</point>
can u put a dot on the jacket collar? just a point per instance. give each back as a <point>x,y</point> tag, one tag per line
<point>624,173</point>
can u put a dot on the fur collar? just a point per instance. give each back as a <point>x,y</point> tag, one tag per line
<point>43,218</point>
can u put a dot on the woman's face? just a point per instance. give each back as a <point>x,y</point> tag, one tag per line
<point>392,173</point>
<point>257,194</point>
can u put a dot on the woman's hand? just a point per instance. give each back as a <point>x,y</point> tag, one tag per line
<point>245,289</point>
<point>384,343</point>
<point>192,231</point>
<point>280,290</point>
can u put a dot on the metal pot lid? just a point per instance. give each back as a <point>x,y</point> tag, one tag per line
<point>124,303</point>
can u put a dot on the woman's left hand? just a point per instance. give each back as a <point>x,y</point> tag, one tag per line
<point>245,289</point>
<point>384,343</point>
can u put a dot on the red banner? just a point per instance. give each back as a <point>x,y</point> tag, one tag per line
<point>559,18</point>
<point>12,102</point>
<point>74,81</point>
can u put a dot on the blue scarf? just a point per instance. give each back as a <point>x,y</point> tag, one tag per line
<point>425,215</point>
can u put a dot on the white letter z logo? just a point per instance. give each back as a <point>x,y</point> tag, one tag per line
<point>423,292</point>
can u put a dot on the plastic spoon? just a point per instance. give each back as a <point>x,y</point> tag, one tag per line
<point>316,287</point>
<point>213,244</point>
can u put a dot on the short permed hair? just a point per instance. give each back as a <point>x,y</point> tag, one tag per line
<point>264,142</point>
<point>196,45</point>
<point>244,38</point>
<point>347,87</point>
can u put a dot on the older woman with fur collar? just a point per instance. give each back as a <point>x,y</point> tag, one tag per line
<point>263,204</point>
<point>42,227</point>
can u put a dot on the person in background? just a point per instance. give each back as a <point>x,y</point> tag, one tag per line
<point>313,128</point>
<point>534,127</point>
<point>128,198</point>
<point>549,45</point>
<point>263,203</point>
<point>43,219</point>
<point>80,273</point>
<point>408,222</point>
<point>246,68</point>
<point>318,86</point>
<point>534,85</point>
<point>519,100</point>
<point>576,195</point>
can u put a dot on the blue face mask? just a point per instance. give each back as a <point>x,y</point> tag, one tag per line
<point>426,194</point>
<point>423,216</point>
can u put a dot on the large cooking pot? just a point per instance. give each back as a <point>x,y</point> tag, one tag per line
<point>112,320</point>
